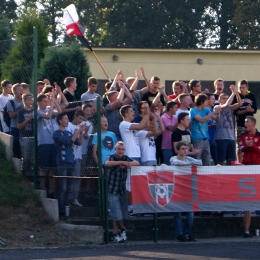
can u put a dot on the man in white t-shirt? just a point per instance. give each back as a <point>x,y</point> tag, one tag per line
<point>4,97</point>
<point>77,151</point>
<point>147,139</point>
<point>129,136</point>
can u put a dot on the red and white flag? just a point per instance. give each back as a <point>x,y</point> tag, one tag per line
<point>71,21</point>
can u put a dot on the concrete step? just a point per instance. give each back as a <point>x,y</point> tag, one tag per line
<point>142,228</point>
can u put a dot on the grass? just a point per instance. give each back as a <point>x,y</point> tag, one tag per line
<point>14,190</point>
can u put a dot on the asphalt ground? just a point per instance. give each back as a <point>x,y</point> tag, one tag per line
<point>215,249</point>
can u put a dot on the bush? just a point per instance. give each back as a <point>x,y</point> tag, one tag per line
<point>61,62</point>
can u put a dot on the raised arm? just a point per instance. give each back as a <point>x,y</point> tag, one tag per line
<point>148,83</point>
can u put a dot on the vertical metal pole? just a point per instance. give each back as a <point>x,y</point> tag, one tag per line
<point>155,228</point>
<point>106,206</point>
<point>35,77</point>
<point>100,190</point>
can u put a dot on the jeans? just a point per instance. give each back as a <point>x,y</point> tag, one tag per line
<point>118,205</point>
<point>204,153</point>
<point>167,154</point>
<point>177,221</point>
<point>75,183</point>
<point>214,152</point>
<point>64,170</point>
<point>16,144</point>
<point>27,151</point>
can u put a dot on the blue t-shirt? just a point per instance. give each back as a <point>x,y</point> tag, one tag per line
<point>108,141</point>
<point>199,130</point>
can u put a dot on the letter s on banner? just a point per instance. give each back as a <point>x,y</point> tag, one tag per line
<point>243,185</point>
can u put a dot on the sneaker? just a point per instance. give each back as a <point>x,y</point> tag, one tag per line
<point>117,239</point>
<point>123,234</point>
<point>246,235</point>
<point>130,214</point>
<point>75,202</point>
<point>189,238</point>
<point>181,238</point>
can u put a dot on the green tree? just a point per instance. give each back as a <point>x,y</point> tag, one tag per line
<point>144,23</point>
<point>246,19</point>
<point>18,64</point>
<point>8,9</point>
<point>61,62</point>
<point>5,40</point>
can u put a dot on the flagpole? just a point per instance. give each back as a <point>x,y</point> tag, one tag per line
<point>89,47</point>
<point>100,65</point>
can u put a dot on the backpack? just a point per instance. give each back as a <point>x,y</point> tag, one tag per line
<point>6,117</point>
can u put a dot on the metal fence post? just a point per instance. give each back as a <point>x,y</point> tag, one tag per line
<point>100,190</point>
<point>155,228</point>
<point>35,77</point>
<point>105,197</point>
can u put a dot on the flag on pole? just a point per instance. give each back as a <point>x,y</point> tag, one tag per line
<point>71,20</point>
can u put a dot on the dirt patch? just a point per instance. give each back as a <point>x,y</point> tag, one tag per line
<point>29,226</point>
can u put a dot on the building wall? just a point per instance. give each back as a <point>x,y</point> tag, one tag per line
<point>230,65</point>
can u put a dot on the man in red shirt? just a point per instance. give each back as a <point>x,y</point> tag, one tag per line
<point>178,87</point>
<point>249,144</point>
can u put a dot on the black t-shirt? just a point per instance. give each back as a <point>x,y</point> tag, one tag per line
<point>72,103</point>
<point>180,135</point>
<point>149,97</point>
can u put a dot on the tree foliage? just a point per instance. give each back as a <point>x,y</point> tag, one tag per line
<point>246,19</point>
<point>8,9</point>
<point>18,65</point>
<point>61,62</point>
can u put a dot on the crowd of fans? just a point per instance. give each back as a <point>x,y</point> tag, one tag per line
<point>149,123</point>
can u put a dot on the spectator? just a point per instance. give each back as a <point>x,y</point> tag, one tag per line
<point>181,159</point>
<point>4,98</point>
<point>137,94</point>
<point>141,108</point>
<point>170,123</point>
<point>181,134</point>
<point>73,127</point>
<point>248,108</point>
<point>46,148</point>
<point>26,88</point>
<point>13,106</point>
<point>25,126</point>
<point>87,143</point>
<point>199,116</point>
<point>108,141</point>
<point>91,94</point>
<point>219,88</point>
<point>40,86</point>
<point>64,141</point>
<point>178,87</point>
<point>249,144</point>
<point>195,88</point>
<point>112,109</point>
<point>154,87</point>
<point>212,126</point>
<point>147,140</point>
<point>69,93</point>
<point>104,97</point>
<point>128,133</point>
<point>118,164</point>
<point>185,101</point>
<point>225,136</point>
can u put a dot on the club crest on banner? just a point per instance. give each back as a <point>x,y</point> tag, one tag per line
<point>161,186</point>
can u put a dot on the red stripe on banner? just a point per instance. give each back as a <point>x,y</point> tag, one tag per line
<point>228,187</point>
<point>73,29</point>
<point>194,170</point>
<point>195,206</point>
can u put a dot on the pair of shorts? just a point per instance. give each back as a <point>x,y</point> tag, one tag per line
<point>47,156</point>
<point>226,150</point>
<point>118,205</point>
